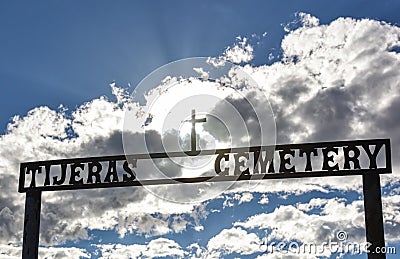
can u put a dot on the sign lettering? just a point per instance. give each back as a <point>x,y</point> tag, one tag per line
<point>281,161</point>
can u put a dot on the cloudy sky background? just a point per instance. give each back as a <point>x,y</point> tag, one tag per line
<point>331,71</point>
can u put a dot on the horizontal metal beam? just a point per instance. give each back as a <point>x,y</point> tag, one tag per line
<point>216,178</point>
<point>211,179</point>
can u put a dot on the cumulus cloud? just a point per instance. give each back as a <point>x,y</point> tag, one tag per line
<point>240,52</point>
<point>264,199</point>
<point>330,83</point>
<point>237,198</point>
<point>93,129</point>
<point>160,247</point>
<point>302,20</point>
<point>336,81</point>
<point>292,223</point>
<point>391,215</point>
<point>320,220</point>
<point>14,252</point>
<point>234,240</point>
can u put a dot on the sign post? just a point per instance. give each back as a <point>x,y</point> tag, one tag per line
<point>30,246</point>
<point>373,215</point>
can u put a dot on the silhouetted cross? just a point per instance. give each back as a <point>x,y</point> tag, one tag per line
<point>193,120</point>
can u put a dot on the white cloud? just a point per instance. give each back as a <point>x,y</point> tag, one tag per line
<point>160,247</point>
<point>42,135</point>
<point>337,81</point>
<point>296,223</point>
<point>302,20</point>
<point>391,215</point>
<point>203,74</point>
<point>246,197</point>
<point>313,203</point>
<point>117,251</point>
<point>264,199</point>
<point>179,223</point>
<point>62,252</point>
<point>290,223</point>
<point>240,52</point>
<point>198,228</point>
<point>195,251</point>
<point>234,240</point>
<point>238,198</point>
<point>308,20</point>
<point>10,251</point>
<point>14,252</point>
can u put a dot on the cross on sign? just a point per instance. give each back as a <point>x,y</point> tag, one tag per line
<point>193,120</point>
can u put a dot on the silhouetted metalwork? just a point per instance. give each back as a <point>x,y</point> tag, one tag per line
<point>373,214</point>
<point>30,248</point>
<point>284,169</point>
<point>193,135</point>
<point>264,168</point>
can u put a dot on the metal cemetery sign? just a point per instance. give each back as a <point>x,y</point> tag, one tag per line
<point>316,159</point>
<point>368,158</point>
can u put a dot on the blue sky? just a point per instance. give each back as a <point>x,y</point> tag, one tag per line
<point>67,53</point>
